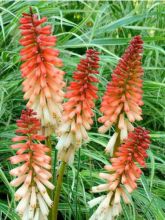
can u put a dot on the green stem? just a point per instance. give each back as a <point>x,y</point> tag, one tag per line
<point>78,170</point>
<point>58,190</point>
<point>54,166</point>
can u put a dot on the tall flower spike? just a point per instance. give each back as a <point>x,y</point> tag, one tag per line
<point>43,81</point>
<point>33,173</point>
<point>122,176</point>
<point>78,113</point>
<point>122,100</point>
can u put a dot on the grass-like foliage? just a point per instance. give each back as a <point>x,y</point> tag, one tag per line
<point>106,26</point>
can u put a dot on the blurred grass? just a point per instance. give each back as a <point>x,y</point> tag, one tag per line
<point>106,26</point>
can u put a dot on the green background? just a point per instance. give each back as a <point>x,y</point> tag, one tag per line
<point>106,26</point>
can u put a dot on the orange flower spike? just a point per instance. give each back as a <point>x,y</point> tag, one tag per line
<point>133,150</point>
<point>122,100</point>
<point>43,81</point>
<point>122,175</point>
<point>78,110</point>
<point>33,174</point>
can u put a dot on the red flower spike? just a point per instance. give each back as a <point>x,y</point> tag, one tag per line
<point>133,150</point>
<point>123,96</point>
<point>78,111</point>
<point>122,175</point>
<point>33,174</point>
<point>43,80</point>
<point>81,93</point>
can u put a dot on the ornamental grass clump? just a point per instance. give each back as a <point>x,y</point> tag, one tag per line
<point>78,110</point>
<point>33,169</point>
<point>122,101</point>
<point>43,80</point>
<point>121,175</point>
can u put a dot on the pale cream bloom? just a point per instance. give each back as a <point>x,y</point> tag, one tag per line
<point>109,205</point>
<point>111,143</point>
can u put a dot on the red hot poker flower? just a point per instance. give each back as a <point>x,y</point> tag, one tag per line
<point>123,173</point>
<point>133,150</point>
<point>123,96</point>
<point>78,111</point>
<point>33,174</point>
<point>43,80</point>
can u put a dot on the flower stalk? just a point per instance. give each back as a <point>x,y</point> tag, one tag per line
<point>54,210</point>
<point>77,116</point>
<point>121,106</point>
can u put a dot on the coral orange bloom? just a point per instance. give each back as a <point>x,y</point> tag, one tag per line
<point>123,97</point>
<point>33,173</point>
<point>122,176</point>
<point>78,113</point>
<point>43,79</point>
